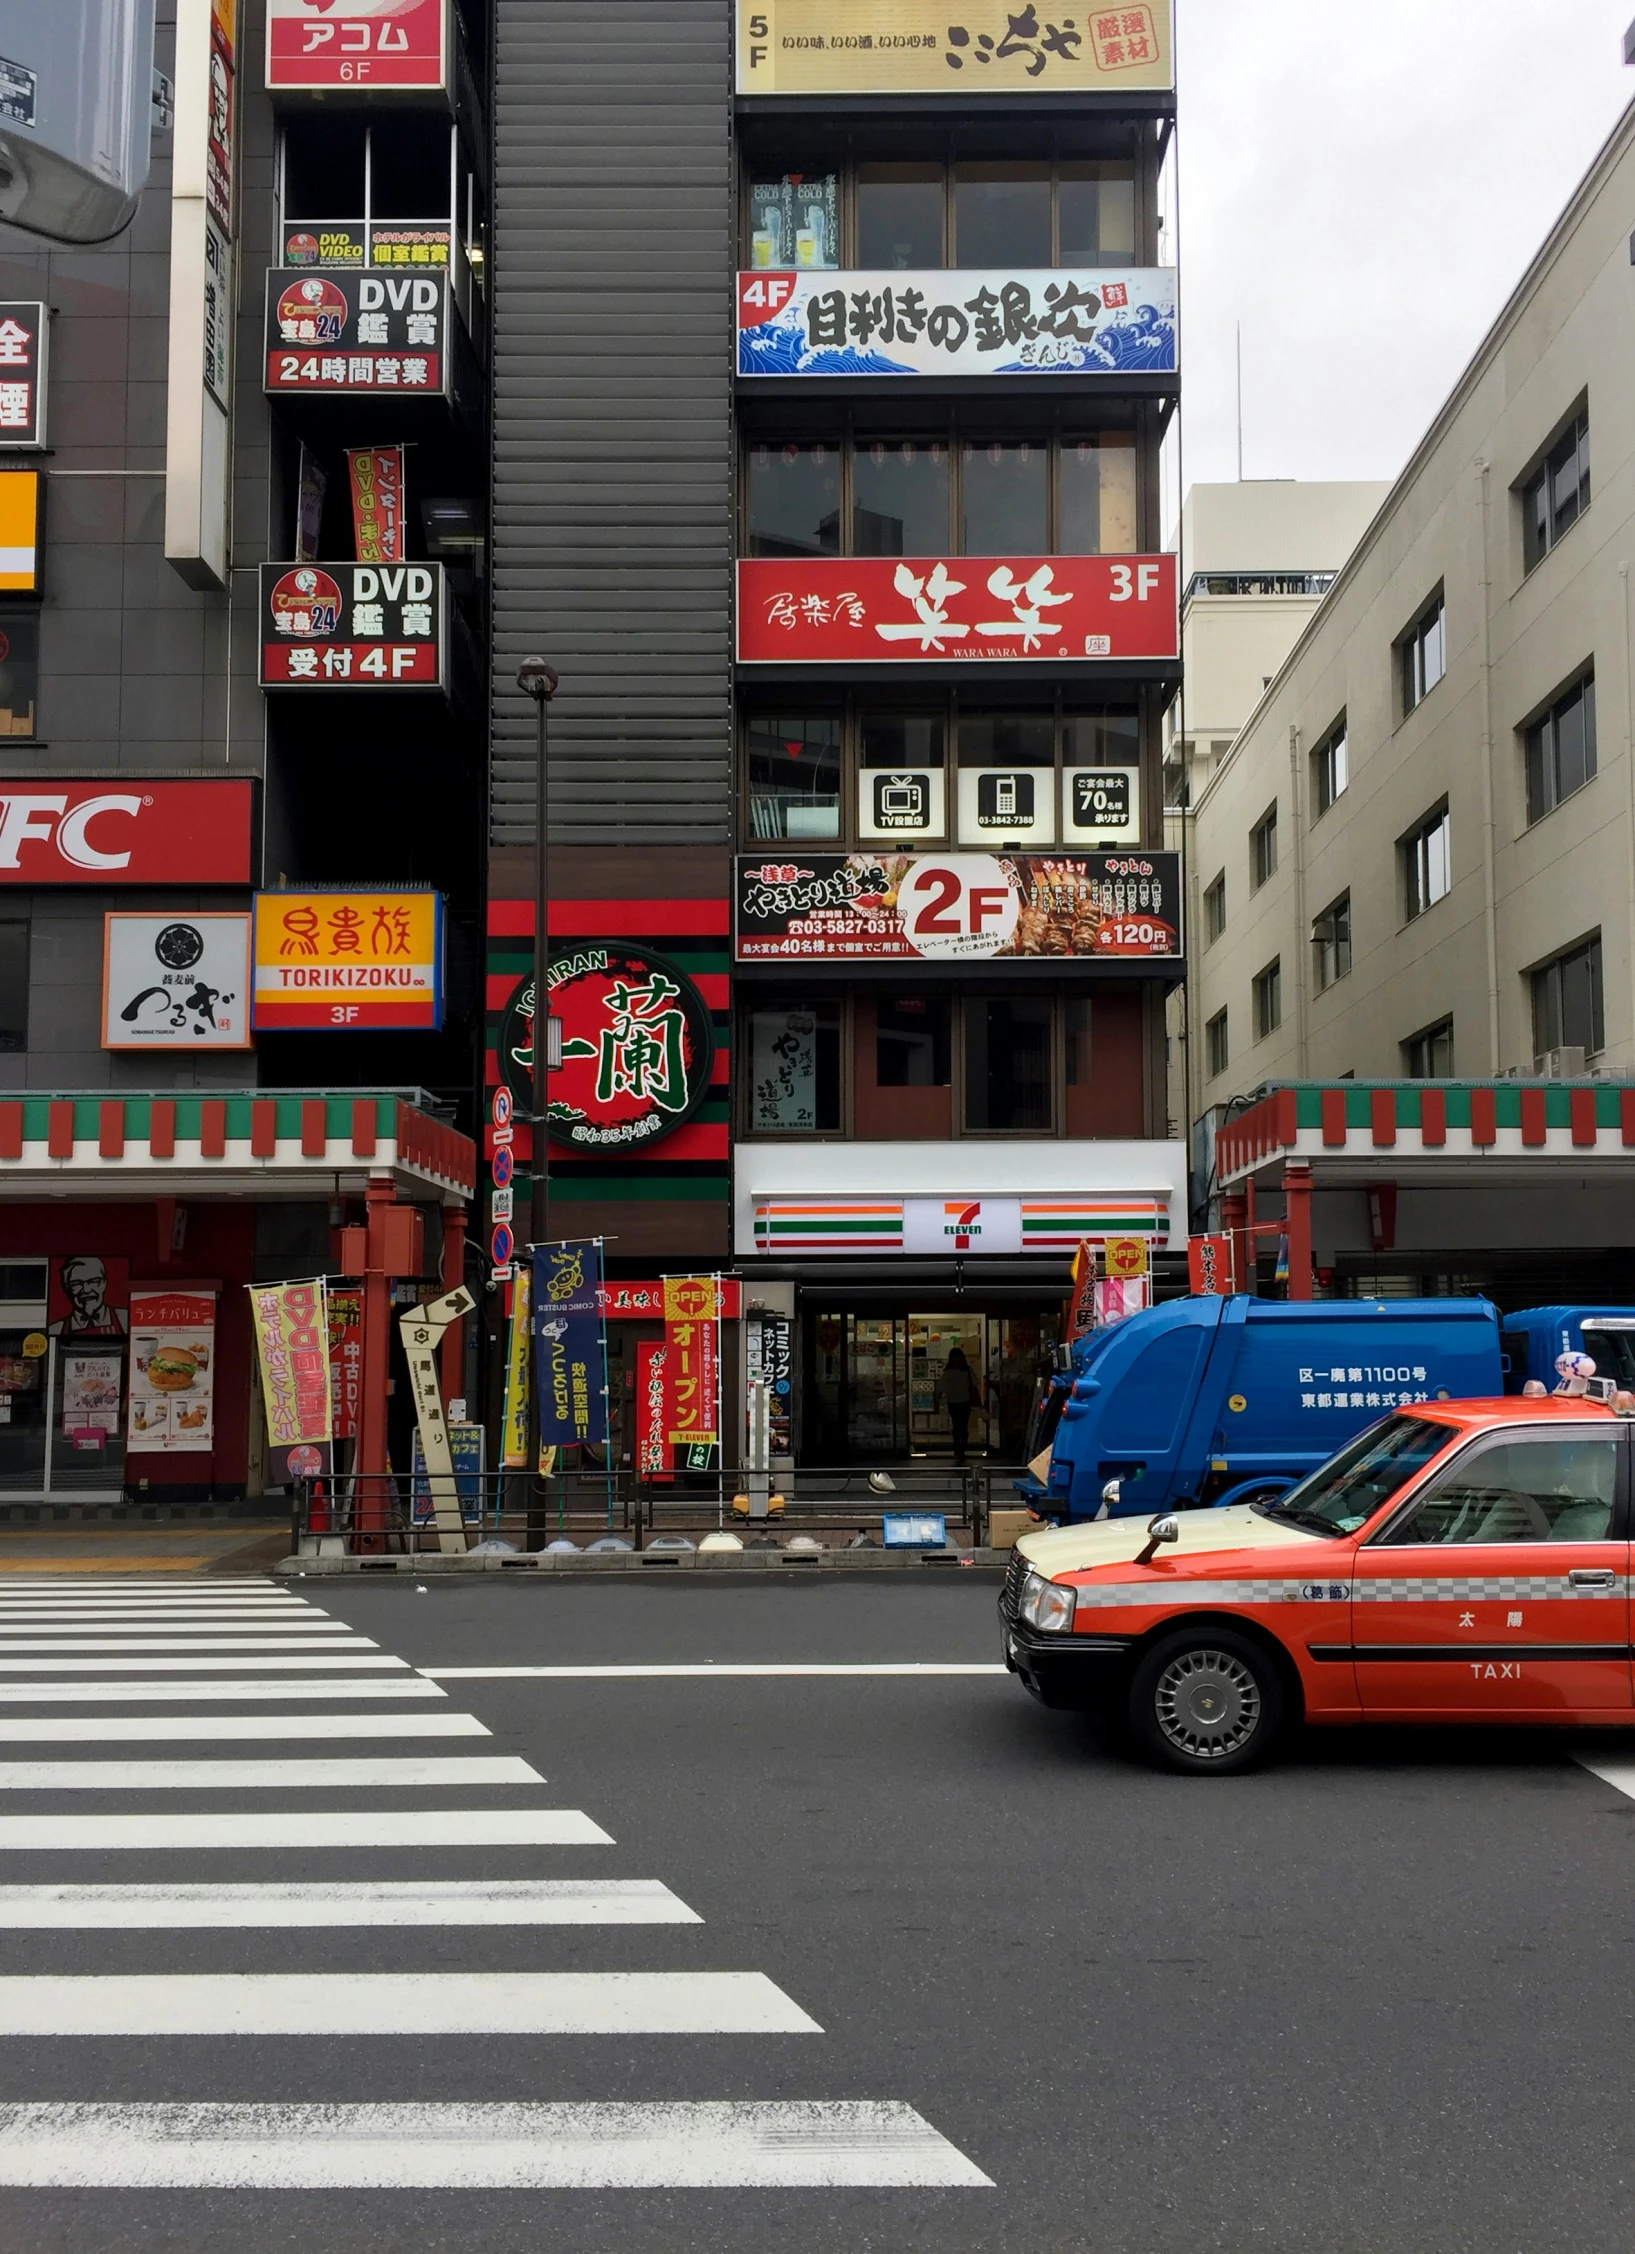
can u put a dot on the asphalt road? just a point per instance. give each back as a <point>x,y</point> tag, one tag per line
<point>1375,2000</point>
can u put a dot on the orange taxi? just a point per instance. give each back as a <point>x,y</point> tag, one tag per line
<point>1465,1561</point>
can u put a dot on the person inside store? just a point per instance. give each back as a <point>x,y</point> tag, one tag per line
<point>959,1391</point>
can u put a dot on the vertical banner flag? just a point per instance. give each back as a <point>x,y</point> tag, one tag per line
<point>652,1411</point>
<point>345,1358</point>
<point>692,1336</point>
<point>568,1361</point>
<point>376,474</point>
<point>514,1432</point>
<point>1118,1296</point>
<point>1209,1266</point>
<point>173,1352</point>
<point>292,1338</point>
<point>1081,1301</point>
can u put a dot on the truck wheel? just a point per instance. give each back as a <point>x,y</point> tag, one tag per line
<point>1207,1702</point>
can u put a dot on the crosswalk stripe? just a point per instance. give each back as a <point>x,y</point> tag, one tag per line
<point>98,1729</point>
<point>116,1620</point>
<point>173,1666</point>
<point>328,1827</point>
<point>399,2003</point>
<point>413,1901</point>
<point>354,1775</point>
<point>335,1637</point>
<point>220,1693</point>
<point>788,2145</point>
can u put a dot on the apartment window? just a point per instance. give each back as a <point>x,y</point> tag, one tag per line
<point>1215,1042</point>
<point>1263,849</point>
<point>1007,1064</point>
<point>1429,1055</point>
<point>1215,909</point>
<point>794,1066</point>
<point>1558,492</point>
<point>1425,877</point>
<point>1329,772</point>
<point>912,1043</point>
<point>1331,942</point>
<point>794,774</point>
<point>1422,653</point>
<point>13,983</point>
<point>1560,749</point>
<point>1268,997</point>
<point>1567,1010</point>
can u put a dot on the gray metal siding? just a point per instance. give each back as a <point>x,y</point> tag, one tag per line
<point>613,415</point>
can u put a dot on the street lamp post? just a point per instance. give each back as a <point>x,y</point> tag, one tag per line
<point>538,680</point>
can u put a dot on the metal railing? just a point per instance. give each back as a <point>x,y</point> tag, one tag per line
<point>392,1513</point>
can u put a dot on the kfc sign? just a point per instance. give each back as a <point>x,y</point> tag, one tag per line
<point>144,833</point>
<point>390,44</point>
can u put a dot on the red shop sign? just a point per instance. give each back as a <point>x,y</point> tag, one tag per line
<point>54,832</point>
<point>844,610</point>
<point>357,43</point>
<point>638,1046</point>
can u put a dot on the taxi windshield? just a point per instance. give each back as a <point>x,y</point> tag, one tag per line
<point>1344,1493</point>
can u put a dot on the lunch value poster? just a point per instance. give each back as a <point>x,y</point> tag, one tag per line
<point>173,1357</point>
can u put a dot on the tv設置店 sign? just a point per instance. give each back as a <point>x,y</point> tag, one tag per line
<point>348,962</point>
<point>349,331</point>
<point>638,1047</point>
<point>175,981</point>
<point>58,832</point>
<point>903,907</point>
<point>357,45</point>
<point>959,47</point>
<point>350,625</point>
<point>811,323</point>
<point>23,335</point>
<point>851,610</point>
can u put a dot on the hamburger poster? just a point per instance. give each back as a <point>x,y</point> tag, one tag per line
<point>173,1355</point>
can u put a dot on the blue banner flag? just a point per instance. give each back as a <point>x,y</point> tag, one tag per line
<point>568,1359</point>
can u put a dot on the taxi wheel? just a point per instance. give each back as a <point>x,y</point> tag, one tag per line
<point>1207,1702</point>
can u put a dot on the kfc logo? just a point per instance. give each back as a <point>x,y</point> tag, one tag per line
<point>163,833</point>
<point>43,817</point>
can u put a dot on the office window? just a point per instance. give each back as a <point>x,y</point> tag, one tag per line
<point>1215,908</point>
<point>1002,215</point>
<point>1095,215</point>
<point>899,497</point>
<point>1005,498</point>
<point>1423,655</point>
<point>900,785</point>
<point>1425,877</point>
<point>13,982</point>
<point>1560,749</point>
<point>794,774</point>
<point>1558,492</point>
<point>1263,849</point>
<point>1007,1064</point>
<point>899,216</point>
<point>794,500</point>
<point>1096,487</point>
<point>1216,1043</point>
<point>794,1066</point>
<point>1331,942</point>
<point>1429,1055</point>
<point>1268,996</point>
<point>1328,768</point>
<point>911,1041</point>
<point>1567,1010</point>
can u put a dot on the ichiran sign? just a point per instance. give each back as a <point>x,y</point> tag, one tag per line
<point>638,1047</point>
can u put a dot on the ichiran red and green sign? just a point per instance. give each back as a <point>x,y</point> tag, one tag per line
<point>637,1047</point>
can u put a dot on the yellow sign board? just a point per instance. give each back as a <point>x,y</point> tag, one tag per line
<point>346,962</point>
<point>19,532</point>
<point>1126,1257</point>
<point>958,47</point>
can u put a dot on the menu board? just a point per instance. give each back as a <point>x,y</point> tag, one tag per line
<point>173,1353</point>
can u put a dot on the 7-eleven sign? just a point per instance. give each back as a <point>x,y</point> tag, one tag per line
<point>962,1220</point>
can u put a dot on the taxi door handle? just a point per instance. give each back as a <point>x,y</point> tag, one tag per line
<point>1592,1577</point>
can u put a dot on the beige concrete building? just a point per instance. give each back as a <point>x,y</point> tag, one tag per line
<point>1418,858</point>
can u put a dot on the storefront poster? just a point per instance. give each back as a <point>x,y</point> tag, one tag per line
<point>638,1046</point>
<point>769,1362</point>
<point>783,1071</point>
<point>958,47</point>
<point>794,222</point>
<point>323,242</point>
<point>352,626</point>
<point>345,1306</point>
<point>348,962</point>
<point>24,328</point>
<point>343,330</point>
<point>376,475</point>
<point>569,1358</point>
<point>356,45</point>
<point>173,1370</point>
<point>175,982</point>
<point>54,831</point>
<point>884,907</point>
<point>291,1326</point>
<point>514,1432</point>
<point>1074,322</point>
<point>928,610</point>
<point>692,1336</point>
<point>90,1397</point>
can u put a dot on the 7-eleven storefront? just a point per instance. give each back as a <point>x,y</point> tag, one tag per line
<point>884,1258</point>
<point>133,1224</point>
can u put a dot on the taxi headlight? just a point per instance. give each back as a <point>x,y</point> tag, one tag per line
<point>1047,1605</point>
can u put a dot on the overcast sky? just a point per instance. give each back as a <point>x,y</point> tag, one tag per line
<point>1362,182</point>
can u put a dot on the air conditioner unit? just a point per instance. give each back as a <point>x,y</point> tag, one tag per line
<point>1561,1064</point>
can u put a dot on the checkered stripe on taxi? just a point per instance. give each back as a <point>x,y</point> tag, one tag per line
<point>1100,1596</point>
<point>1495,1588</point>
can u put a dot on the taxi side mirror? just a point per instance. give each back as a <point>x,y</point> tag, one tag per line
<point>1161,1529</point>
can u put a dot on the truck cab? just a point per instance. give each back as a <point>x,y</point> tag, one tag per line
<point>1532,1339</point>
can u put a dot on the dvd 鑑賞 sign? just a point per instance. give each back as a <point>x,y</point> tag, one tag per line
<point>192,833</point>
<point>903,907</point>
<point>848,610</point>
<point>638,1047</point>
<point>352,625</point>
<point>356,44</point>
<point>813,322</point>
<point>348,331</point>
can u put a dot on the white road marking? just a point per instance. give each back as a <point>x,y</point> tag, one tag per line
<point>1619,1774</point>
<point>411,1901</point>
<point>219,1693</point>
<point>98,1729</point>
<point>328,1827</point>
<point>725,1669</point>
<point>104,1666</point>
<point>335,1637</point>
<point>241,1776</point>
<point>527,2147</point>
<point>172,1608</point>
<point>400,2003</point>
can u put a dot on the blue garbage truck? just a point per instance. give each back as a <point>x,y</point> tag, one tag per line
<point>1210,1401</point>
<point>1531,1340</point>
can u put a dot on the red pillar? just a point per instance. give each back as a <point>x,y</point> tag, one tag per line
<point>454,1272</point>
<point>370,1513</point>
<point>1234,1214</point>
<point>1297,1207</point>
